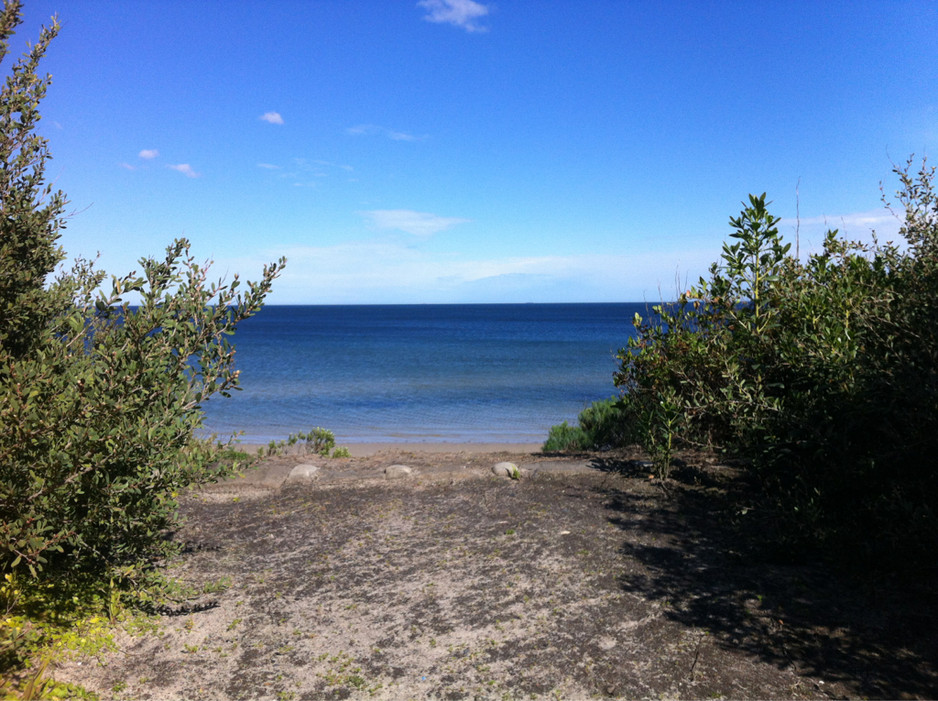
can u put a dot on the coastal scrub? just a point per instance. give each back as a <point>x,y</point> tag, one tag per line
<point>820,375</point>
<point>102,382</point>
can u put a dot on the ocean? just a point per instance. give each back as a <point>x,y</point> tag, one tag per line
<point>478,373</point>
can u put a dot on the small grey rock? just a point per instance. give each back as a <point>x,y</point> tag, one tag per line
<point>506,469</point>
<point>393,472</point>
<point>303,473</point>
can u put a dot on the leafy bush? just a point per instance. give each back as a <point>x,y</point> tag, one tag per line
<point>695,371</point>
<point>320,441</point>
<point>563,437</point>
<point>99,400</point>
<point>602,425</point>
<point>822,375</point>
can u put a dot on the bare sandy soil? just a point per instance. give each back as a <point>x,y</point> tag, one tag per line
<point>582,579</point>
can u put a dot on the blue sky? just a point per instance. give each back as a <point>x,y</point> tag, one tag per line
<point>460,151</point>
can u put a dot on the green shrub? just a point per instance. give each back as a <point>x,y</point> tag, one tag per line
<point>563,438</point>
<point>320,441</point>
<point>602,425</point>
<point>99,400</point>
<point>821,375</point>
<point>696,370</point>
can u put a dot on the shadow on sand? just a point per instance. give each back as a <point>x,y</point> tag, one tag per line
<point>713,567</point>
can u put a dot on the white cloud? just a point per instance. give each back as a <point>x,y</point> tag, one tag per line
<point>417,223</point>
<point>303,172</point>
<point>459,13</point>
<point>271,118</point>
<point>185,169</point>
<point>855,226</point>
<point>382,271</point>
<point>330,164</point>
<point>402,136</point>
<point>863,221</point>
<point>373,130</point>
<point>148,154</point>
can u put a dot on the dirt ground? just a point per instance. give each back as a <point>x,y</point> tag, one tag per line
<point>582,579</point>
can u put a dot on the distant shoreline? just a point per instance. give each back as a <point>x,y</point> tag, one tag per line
<point>360,450</point>
<point>463,304</point>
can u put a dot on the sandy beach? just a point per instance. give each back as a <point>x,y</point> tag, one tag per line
<point>360,450</point>
<point>583,578</point>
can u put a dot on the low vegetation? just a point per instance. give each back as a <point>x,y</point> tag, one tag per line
<point>602,425</point>
<point>319,441</point>
<point>819,375</point>
<point>102,382</point>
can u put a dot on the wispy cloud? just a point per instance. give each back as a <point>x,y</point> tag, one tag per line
<point>459,13</point>
<point>855,226</point>
<point>185,169</point>
<point>374,130</point>
<point>271,118</point>
<point>330,164</point>
<point>860,221</point>
<point>421,224</point>
<point>148,154</point>
<point>305,172</point>
<point>387,271</point>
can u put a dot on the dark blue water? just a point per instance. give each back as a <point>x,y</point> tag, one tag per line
<point>426,373</point>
